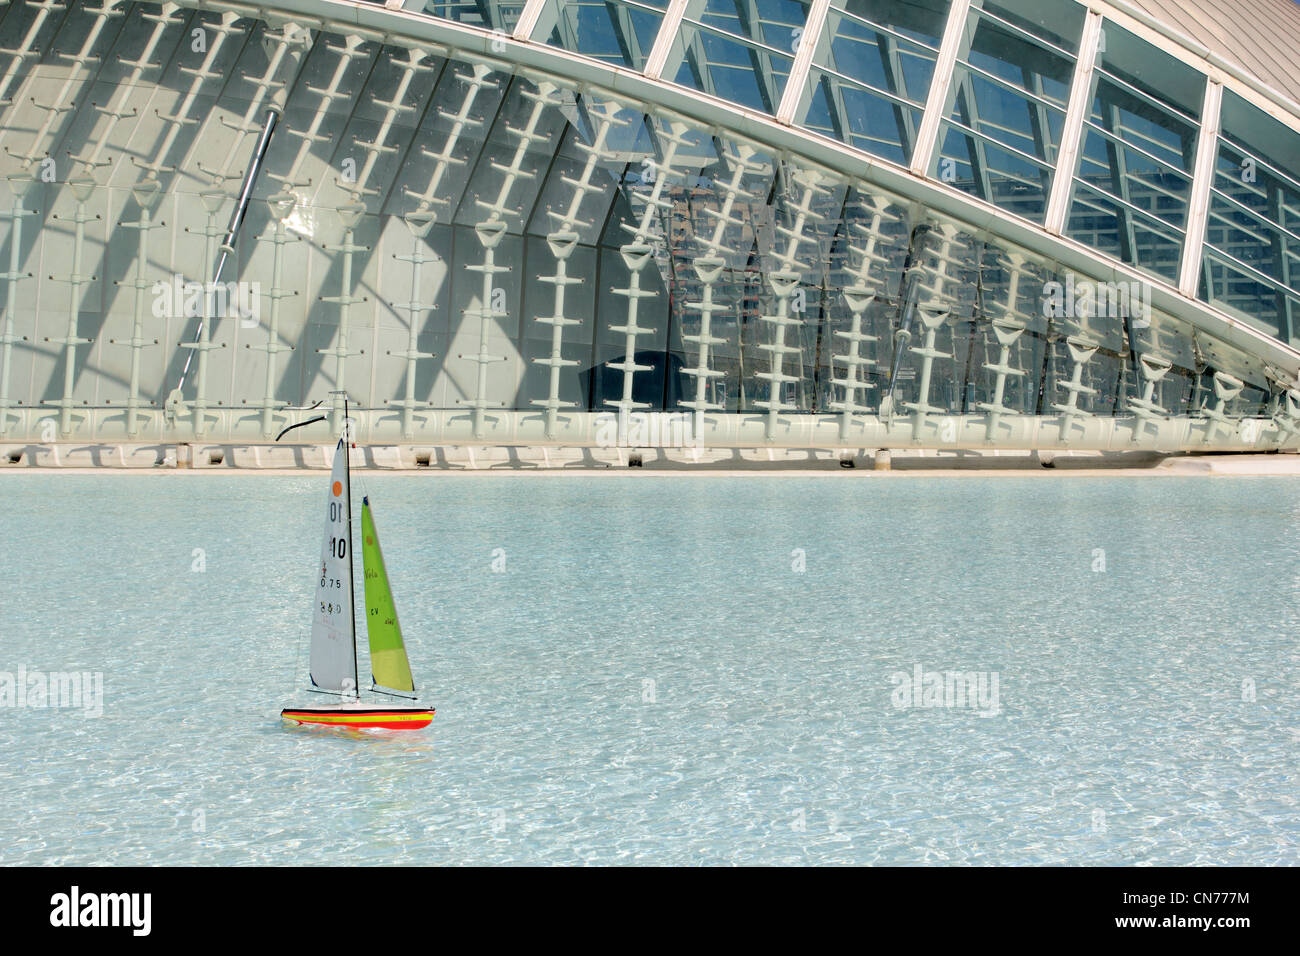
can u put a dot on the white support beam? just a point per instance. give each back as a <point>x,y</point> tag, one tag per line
<point>1198,207</point>
<point>529,17</point>
<point>809,41</point>
<point>955,38</point>
<point>1080,104</point>
<point>668,36</point>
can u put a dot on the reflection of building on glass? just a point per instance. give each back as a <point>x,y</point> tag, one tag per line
<point>835,223</point>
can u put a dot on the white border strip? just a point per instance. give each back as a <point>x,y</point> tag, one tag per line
<point>798,78</point>
<point>954,34</point>
<point>1067,156</point>
<point>664,39</point>
<point>1198,207</point>
<point>528,18</point>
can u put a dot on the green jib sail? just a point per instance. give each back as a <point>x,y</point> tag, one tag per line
<point>388,664</point>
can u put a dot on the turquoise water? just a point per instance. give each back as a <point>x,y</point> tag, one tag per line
<point>1125,730</point>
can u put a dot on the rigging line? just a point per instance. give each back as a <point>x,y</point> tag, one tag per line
<point>361,484</point>
<point>374,688</point>
<point>352,572</point>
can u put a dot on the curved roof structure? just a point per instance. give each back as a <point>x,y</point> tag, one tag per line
<point>1257,36</point>
<point>811,223</point>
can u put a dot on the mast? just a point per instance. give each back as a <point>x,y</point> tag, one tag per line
<point>347,472</point>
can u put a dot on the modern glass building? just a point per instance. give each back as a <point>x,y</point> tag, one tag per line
<point>830,224</point>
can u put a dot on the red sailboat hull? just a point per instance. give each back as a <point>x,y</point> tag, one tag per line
<point>362,718</point>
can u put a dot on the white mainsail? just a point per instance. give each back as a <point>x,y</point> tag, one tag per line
<point>333,628</point>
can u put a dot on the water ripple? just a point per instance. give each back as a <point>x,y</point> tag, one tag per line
<point>652,679</point>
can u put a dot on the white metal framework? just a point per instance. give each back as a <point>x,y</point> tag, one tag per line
<point>749,214</point>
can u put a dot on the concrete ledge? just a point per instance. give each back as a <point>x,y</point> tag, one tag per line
<point>215,458</point>
<point>1256,465</point>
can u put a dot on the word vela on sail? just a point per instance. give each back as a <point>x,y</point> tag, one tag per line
<point>334,665</point>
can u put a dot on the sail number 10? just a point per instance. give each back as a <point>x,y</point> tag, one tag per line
<point>338,547</point>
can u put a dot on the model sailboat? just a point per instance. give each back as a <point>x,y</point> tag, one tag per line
<point>334,664</point>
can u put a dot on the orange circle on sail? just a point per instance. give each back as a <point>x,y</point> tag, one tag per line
<point>338,488</point>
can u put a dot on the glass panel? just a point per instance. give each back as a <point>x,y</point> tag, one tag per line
<point>872,73</point>
<point>1007,104</point>
<point>493,15</point>
<point>1105,223</point>
<point>620,32</point>
<point>1252,240</point>
<point>739,50</point>
<point>1134,180</point>
<point>719,209</point>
